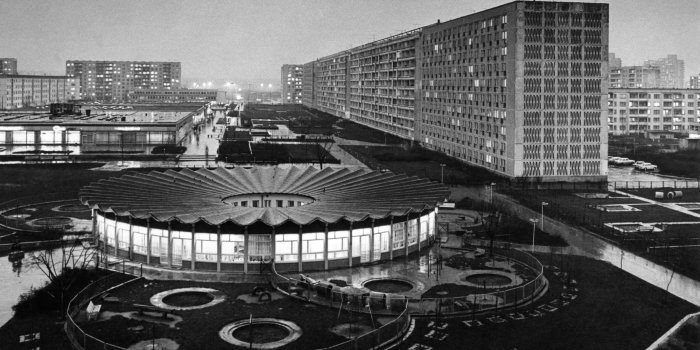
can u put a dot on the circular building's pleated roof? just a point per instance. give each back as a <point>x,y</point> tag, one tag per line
<point>203,195</point>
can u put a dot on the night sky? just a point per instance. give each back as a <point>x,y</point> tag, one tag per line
<point>249,40</point>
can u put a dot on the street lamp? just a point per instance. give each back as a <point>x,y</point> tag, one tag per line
<point>442,173</point>
<point>491,193</point>
<point>534,224</point>
<point>542,224</point>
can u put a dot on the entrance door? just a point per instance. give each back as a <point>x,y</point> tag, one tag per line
<point>364,248</point>
<point>160,245</point>
<point>177,252</point>
<point>377,247</point>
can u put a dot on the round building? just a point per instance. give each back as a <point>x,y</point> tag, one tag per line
<point>231,220</point>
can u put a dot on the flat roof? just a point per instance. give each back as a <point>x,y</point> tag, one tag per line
<point>12,76</point>
<point>112,114</point>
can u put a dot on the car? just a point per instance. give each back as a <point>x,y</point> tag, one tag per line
<point>648,167</point>
<point>623,161</point>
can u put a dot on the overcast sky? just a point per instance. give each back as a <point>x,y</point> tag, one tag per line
<point>249,40</point>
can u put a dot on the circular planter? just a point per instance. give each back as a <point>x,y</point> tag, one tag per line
<point>186,298</point>
<point>492,279</point>
<point>260,333</point>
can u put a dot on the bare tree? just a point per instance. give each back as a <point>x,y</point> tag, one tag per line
<point>323,149</point>
<point>62,266</point>
<point>490,218</point>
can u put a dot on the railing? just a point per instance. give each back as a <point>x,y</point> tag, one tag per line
<point>379,337</point>
<point>76,335</point>
<point>631,185</point>
<point>134,269</point>
<point>375,304</point>
<point>487,301</point>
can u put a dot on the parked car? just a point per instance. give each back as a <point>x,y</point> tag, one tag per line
<point>623,161</point>
<point>638,163</point>
<point>648,167</point>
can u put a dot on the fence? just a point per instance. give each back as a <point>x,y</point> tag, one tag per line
<point>487,301</point>
<point>633,185</point>
<point>344,298</point>
<point>77,336</point>
<point>378,337</point>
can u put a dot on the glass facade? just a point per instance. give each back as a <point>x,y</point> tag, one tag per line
<point>173,248</point>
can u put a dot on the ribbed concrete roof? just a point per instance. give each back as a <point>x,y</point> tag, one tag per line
<point>193,196</point>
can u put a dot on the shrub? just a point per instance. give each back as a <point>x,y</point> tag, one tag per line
<point>168,149</point>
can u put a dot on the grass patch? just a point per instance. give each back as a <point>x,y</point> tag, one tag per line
<point>202,326</point>
<point>303,120</point>
<point>40,181</point>
<point>417,161</point>
<point>237,151</point>
<point>611,312</point>
<point>567,207</point>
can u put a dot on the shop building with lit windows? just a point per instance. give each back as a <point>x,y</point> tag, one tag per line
<point>111,81</point>
<point>231,220</point>
<point>518,89</point>
<point>100,128</point>
<point>176,95</point>
<point>636,111</point>
<point>292,75</point>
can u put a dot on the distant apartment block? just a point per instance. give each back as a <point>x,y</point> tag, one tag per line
<point>292,75</point>
<point>614,62</point>
<point>635,77</point>
<point>694,82</point>
<point>519,89</point>
<point>176,95</point>
<point>8,66</point>
<point>672,71</point>
<point>635,111</point>
<point>20,91</point>
<point>111,81</point>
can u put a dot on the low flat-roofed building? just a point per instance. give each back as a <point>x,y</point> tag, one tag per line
<point>100,128</point>
<point>176,95</point>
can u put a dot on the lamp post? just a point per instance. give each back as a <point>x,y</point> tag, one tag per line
<point>534,226</point>
<point>491,193</point>
<point>269,89</point>
<point>442,173</point>
<point>542,223</point>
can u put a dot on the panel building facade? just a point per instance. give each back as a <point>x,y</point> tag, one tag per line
<point>635,77</point>
<point>695,81</point>
<point>672,70</point>
<point>519,89</point>
<point>292,75</point>
<point>636,111</point>
<point>20,91</point>
<point>8,66</point>
<point>111,81</point>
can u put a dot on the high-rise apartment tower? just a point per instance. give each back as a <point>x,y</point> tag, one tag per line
<point>520,89</point>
